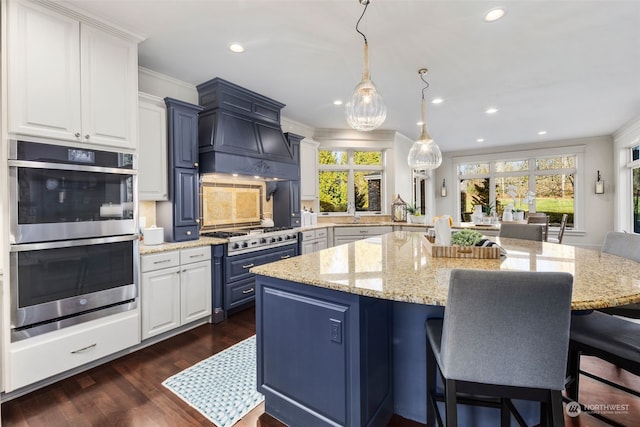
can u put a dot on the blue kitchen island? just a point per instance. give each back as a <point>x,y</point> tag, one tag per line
<point>340,332</point>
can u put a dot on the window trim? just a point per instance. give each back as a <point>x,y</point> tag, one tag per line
<point>575,150</point>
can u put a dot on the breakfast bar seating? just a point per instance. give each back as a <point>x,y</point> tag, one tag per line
<point>365,304</point>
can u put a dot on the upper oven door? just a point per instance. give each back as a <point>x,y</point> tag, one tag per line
<point>80,198</point>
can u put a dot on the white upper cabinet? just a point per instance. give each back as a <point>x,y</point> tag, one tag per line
<point>152,148</point>
<point>308,169</point>
<point>68,79</point>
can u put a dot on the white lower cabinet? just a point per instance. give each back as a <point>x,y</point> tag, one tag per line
<point>313,240</point>
<point>44,356</point>
<point>342,235</point>
<point>175,289</point>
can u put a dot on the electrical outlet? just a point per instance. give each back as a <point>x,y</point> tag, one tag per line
<point>336,330</point>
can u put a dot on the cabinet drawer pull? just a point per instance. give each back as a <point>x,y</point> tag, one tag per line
<point>162,261</point>
<point>196,256</point>
<point>247,291</point>
<point>285,256</point>
<point>248,265</point>
<point>364,231</point>
<point>81,350</point>
<point>189,233</point>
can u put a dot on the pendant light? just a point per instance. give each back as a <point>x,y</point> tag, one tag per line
<point>424,153</point>
<point>365,110</point>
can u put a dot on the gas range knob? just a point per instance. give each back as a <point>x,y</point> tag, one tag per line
<point>280,239</point>
<point>245,244</point>
<point>263,240</point>
<point>287,237</point>
<point>235,246</point>
<point>273,239</point>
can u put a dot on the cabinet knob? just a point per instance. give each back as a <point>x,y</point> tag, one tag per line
<point>195,165</point>
<point>77,134</point>
<point>189,233</point>
<point>198,221</point>
<point>87,136</point>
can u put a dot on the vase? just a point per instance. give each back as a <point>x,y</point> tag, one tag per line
<point>518,216</point>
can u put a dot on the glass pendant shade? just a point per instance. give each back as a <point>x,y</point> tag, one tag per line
<point>424,153</point>
<point>365,110</point>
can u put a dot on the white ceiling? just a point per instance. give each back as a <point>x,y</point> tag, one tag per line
<point>569,67</point>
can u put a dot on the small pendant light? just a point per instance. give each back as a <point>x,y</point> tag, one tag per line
<point>424,153</point>
<point>365,110</point>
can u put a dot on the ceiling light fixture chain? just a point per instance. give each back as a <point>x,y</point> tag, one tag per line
<point>366,110</point>
<point>424,153</point>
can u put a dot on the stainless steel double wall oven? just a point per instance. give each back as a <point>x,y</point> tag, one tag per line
<point>73,253</point>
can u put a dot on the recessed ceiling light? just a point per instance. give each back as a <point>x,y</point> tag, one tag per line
<point>437,101</point>
<point>480,140</point>
<point>236,47</point>
<point>494,14</point>
<point>491,110</point>
<point>337,102</point>
<point>542,132</point>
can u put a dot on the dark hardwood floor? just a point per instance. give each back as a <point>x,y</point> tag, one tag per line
<point>129,391</point>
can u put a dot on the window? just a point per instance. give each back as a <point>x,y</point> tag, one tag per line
<point>635,196</point>
<point>541,181</point>
<point>350,177</point>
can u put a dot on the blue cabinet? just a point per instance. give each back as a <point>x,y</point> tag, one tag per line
<point>324,357</point>
<point>286,199</point>
<point>180,214</point>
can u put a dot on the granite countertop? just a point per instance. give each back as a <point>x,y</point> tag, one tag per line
<point>172,246</point>
<point>397,266</point>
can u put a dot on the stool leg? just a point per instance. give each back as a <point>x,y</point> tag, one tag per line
<point>451,403</point>
<point>573,371</point>
<point>431,385</point>
<point>556,408</point>
<point>505,413</point>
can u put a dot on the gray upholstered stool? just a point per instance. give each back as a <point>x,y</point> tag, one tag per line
<point>504,335</point>
<point>607,337</point>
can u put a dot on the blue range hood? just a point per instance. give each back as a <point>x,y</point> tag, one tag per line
<point>239,132</point>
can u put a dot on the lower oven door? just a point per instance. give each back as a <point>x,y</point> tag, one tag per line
<point>58,284</point>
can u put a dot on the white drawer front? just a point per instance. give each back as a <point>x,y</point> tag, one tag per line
<point>197,254</point>
<point>321,233</point>
<point>38,358</point>
<point>160,260</point>
<point>308,235</point>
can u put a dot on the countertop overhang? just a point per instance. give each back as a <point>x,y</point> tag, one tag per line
<point>397,266</point>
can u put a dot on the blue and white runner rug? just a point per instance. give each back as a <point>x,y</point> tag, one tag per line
<point>222,387</point>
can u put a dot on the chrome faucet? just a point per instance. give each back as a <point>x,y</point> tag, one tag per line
<point>351,210</point>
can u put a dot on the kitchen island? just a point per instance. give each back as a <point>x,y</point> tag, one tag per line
<point>340,331</point>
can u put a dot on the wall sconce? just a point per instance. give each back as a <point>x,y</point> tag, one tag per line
<point>599,184</point>
<point>443,189</point>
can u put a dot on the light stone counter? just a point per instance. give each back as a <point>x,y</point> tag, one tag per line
<point>396,266</point>
<point>172,246</point>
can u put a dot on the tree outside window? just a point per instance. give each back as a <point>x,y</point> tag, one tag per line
<point>350,177</point>
<point>543,184</point>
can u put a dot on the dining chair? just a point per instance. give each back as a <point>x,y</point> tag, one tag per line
<point>522,231</point>
<point>505,334</point>
<point>604,333</point>
<point>563,226</point>
<point>540,218</point>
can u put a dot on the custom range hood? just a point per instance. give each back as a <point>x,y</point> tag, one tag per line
<point>239,132</point>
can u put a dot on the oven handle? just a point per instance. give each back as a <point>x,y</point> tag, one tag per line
<point>69,167</point>
<point>71,243</point>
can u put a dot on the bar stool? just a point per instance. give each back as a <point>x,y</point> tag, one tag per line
<point>611,338</point>
<point>504,335</point>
